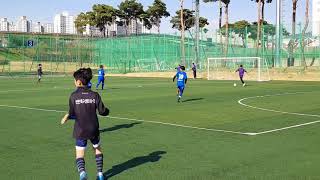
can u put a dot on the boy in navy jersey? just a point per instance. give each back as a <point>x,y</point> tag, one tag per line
<point>83,104</point>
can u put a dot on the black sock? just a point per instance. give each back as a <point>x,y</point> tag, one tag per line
<point>80,164</point>
<point>99,161</point>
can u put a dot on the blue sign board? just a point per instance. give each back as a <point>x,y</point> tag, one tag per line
<point>30,43</point>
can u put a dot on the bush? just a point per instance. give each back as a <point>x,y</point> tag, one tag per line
<point>4,62</point>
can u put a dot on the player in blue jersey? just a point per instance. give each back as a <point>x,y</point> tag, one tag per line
<point>181,81</point>
<point>101,75</point>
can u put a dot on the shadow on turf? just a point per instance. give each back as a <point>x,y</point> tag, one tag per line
<point>194,99</point>
<point>132,163</point>
<point>117,127</point>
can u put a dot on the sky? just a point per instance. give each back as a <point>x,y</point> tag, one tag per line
<point>44,10</point>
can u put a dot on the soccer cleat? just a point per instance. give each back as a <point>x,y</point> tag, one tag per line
<point>179,98</point>
<point>244,84</point>
<point>100,177</point>
<point>83,176</point>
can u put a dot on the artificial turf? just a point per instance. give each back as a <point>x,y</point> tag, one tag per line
<point>33,145</point>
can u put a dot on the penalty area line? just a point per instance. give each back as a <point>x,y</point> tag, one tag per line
<point>280,112</point>
<point>140,120</point>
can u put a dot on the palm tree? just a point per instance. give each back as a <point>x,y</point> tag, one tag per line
<point>183,52</point>
<point>226,12</point>
<point>260,17</point>
<point>220,15</point>
<point>303,43</point>
<point>292,41</point>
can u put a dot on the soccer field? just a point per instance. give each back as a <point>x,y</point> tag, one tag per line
<point>265,131</point>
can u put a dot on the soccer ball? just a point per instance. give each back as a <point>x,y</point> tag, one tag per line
<point>234,84</point>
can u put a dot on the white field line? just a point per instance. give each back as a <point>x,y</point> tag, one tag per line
<point>138,120</point>
<point>277,111</point>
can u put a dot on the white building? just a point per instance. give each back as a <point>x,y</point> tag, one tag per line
<point>12,27</point>
<point>70,25</point>
<point>48,28</point>
<point>316,18</point>
<point>4,24</point>
<point>92,31</point>
<point>64,24</point>
<point>37,28</point>
<point>59,24</point>
<point>23,25</point>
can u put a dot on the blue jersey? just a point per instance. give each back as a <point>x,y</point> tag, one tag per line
<point>89,85</point>
<point>181,78</point>
<point>101,73</point>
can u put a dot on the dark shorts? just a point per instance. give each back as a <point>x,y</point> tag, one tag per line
<point>81,144</point>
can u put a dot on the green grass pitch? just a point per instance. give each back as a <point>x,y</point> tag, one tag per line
<point>208,136</point>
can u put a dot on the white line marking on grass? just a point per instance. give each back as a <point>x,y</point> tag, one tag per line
<point>139,120</point>
<point>277,111</point>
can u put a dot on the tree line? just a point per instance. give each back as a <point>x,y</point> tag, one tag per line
<point>129,11</point>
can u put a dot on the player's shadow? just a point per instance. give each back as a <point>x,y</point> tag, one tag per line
<point>194,99</point>
<point>132,163</point>
<point>121,126</point>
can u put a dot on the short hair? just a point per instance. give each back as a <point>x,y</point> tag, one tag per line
<point>101,66</point>
<point>84,75</point>
<point>241,65</point>
<point>183,68</point>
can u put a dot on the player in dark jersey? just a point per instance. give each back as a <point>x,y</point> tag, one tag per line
<point>39,72</point>
<point>83,104</point>
<point>241,71</point>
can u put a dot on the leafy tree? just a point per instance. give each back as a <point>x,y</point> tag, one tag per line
<point>130,10</point>
<point>104,15</point>
<point>156,12</point>
<point>81,22</point>
<point>189,20</point>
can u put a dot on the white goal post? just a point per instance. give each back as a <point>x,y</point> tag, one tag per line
<point>223,68</point>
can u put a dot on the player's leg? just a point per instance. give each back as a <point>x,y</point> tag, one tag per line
<point>39,78</point>
<point>178,94</point>
<point>99,156</point>
<point>241,79</point>
<point>80,150</point>
<point>181,91</point>
<point>98,84</point>
<point>102,83</point>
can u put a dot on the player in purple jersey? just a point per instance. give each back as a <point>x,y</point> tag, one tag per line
<point>241,71</point>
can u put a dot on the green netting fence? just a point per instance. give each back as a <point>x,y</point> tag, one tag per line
<point>20,53</point>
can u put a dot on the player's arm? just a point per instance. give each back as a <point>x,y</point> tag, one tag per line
<point>103,111</point>
<point>185,81</point>
<point>237,70</point>
<point>174,77</point>
<point>70,114</point>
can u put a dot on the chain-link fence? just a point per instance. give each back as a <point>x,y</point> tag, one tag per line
<point>20,53</point>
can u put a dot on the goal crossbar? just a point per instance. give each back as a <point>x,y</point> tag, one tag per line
<point>235,60</point>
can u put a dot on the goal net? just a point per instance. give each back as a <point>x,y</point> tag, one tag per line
<point>224,68</point>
